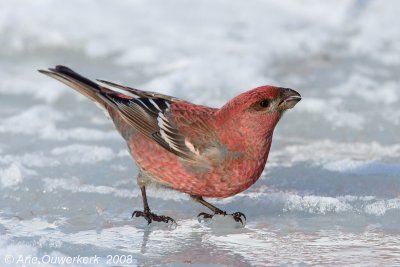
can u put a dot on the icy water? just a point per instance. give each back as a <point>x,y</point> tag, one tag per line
<point>330,193</point>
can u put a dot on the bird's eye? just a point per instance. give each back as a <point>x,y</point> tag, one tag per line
<point>264,103</point>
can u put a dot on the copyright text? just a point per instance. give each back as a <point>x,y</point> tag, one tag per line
<point>50,259</point>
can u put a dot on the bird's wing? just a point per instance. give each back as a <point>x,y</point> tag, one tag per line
<point>139,93</point>
<point>150,114</point>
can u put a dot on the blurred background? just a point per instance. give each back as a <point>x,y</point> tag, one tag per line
<point>330,193</point>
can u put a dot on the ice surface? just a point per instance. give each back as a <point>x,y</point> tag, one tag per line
<point>11,176</point>
<point>330,194</point>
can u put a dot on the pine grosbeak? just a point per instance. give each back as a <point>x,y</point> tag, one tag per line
<point>198,150</point>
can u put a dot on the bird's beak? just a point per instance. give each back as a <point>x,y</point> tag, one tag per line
<point>289,98</point>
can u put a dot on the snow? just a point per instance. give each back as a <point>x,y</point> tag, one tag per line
<point>330,194</point>
<point>86,154</point>
<point>11,176</point>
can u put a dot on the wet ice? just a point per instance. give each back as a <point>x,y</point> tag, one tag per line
<point>330,192</point>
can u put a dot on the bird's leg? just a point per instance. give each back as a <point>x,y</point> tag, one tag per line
<point>147,214</point>
<point>237,216</point>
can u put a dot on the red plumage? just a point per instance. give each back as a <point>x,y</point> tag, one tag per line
<point>198,150</point>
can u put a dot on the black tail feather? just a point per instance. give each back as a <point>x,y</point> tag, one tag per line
<point>70,73</point>
<point>76,81</point>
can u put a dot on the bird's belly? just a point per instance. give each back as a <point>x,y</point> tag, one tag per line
<point>224,180</point>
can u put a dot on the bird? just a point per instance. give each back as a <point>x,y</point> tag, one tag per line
<point>202,151</point>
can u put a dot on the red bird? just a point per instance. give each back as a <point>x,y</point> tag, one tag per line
<point>198,150</point>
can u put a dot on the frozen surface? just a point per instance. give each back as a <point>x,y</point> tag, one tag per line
<point>330,194</point>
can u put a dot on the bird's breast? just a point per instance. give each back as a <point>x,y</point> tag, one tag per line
<point>221,178</point>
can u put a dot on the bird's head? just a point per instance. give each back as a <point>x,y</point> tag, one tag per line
<point>256,112</point>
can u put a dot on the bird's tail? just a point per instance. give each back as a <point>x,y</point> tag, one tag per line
<point>76,81</point>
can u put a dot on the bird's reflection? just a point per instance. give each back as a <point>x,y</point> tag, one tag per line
<point>146,235</point>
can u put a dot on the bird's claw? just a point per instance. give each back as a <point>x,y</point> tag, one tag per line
<point>237,216</point>
<point>205,215</point>
<point>149,216</point>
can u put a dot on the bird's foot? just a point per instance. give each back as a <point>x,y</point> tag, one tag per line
<point>237,216</point>
<point>149,216</point>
